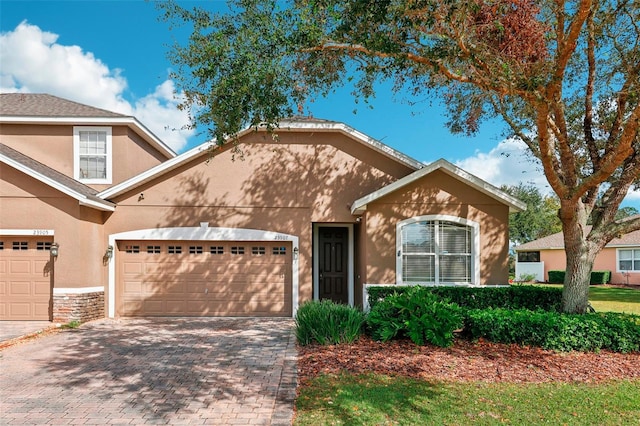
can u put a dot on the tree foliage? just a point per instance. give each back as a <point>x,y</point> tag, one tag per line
<point>563,75</point>
<point>538,220</point>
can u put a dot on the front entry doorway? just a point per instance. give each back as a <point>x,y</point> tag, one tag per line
<point>333,263</point>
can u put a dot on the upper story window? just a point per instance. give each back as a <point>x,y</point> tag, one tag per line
<point>92,154</point>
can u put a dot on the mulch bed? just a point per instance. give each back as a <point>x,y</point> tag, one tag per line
<point>465,361</point>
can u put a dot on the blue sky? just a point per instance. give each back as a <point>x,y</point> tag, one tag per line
<point>113,55</point>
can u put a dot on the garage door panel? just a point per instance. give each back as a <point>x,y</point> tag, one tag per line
<point>42,288</point>
<point>41,309</point>
<point>132,267</point>
<point>20,267</point>
<point>132,287</point>
<point>211,281</point>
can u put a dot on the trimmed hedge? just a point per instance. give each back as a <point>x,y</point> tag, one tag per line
<point>553,330</point>
<point>512,297</point>
<point>597,277</point>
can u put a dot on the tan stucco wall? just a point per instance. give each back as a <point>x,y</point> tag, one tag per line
<point>555,260</point>
<point>29,204</point>
<point>436,194</point>
<point>53,146</point>
<point>282,186</point>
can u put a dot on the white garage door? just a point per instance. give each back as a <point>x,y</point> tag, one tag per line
<point>25,278</point>
<point>203,278</point>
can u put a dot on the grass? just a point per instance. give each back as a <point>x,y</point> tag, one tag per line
<point>381,400</point>
<point>615,299</point>
<point>611,299</point>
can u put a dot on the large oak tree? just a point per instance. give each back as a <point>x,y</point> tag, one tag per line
<point>563,75</point>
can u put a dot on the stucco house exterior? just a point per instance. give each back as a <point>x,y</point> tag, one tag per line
<point>98,217</point>
<point>621,256</point>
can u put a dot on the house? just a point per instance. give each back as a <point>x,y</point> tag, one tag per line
<point>98,217</point>
<point>621,256</point>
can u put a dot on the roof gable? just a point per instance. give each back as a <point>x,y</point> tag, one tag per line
<point>299,124</point>
<point>515,205</point>
<point>63,183</point>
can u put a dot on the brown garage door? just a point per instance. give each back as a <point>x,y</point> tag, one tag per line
<point>203,278</point>
<point>25,278</point>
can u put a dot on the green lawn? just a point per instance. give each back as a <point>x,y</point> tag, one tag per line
<point>610,299</point>
<point>615,299</point>
<point>381,400</point>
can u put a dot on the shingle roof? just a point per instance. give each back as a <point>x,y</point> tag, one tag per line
<point>72,186</point>
<point>556,241</point>
<point>44,105</point>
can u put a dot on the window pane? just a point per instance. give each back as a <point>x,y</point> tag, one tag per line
<point>93,142</point>
<point>626,254</point>
<point>454,238</point>
<point>418,268</point>
<point>626,265</point>
<point>418,238</point>
<point>93,167</point>
<point>455,269</point>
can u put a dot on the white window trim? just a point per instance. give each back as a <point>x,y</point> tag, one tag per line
<point>624,271</point>
<point>76,153</point>
<point>475,246</point>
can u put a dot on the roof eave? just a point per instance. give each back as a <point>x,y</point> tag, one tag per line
<point>82,199</point>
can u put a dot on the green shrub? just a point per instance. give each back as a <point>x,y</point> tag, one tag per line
<point>597,277</point>
<point>328,323</point>
<point>415,313</point>
<point>556,277</point>
<point>557,331</point>
<point>600,277</point>
<point>511,297</point>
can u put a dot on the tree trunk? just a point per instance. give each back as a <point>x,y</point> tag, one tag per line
<point>575,294</point>
<point>580,255</point>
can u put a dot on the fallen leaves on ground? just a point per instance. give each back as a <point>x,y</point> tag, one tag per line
<point>466,361</point>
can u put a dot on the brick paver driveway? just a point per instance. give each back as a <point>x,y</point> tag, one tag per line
<point>153,371</point>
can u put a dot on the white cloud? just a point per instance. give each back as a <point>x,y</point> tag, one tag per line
<point>33,62</point>
<point>510,163</point>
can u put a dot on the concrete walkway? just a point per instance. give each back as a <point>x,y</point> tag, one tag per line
<point>153,371</point>
<point>10,330</point>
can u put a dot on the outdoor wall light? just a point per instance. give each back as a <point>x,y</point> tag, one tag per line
<point>54,249</point>
<point>295,252</point>
<point>109,253</point>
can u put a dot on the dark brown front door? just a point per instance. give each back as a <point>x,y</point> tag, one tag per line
<point>332,264</point>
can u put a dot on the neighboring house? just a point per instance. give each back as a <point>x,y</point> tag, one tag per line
<point>621,256</point>
<point>316,213</point>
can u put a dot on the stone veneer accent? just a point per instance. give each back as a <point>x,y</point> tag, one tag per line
<point>81,307</point>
